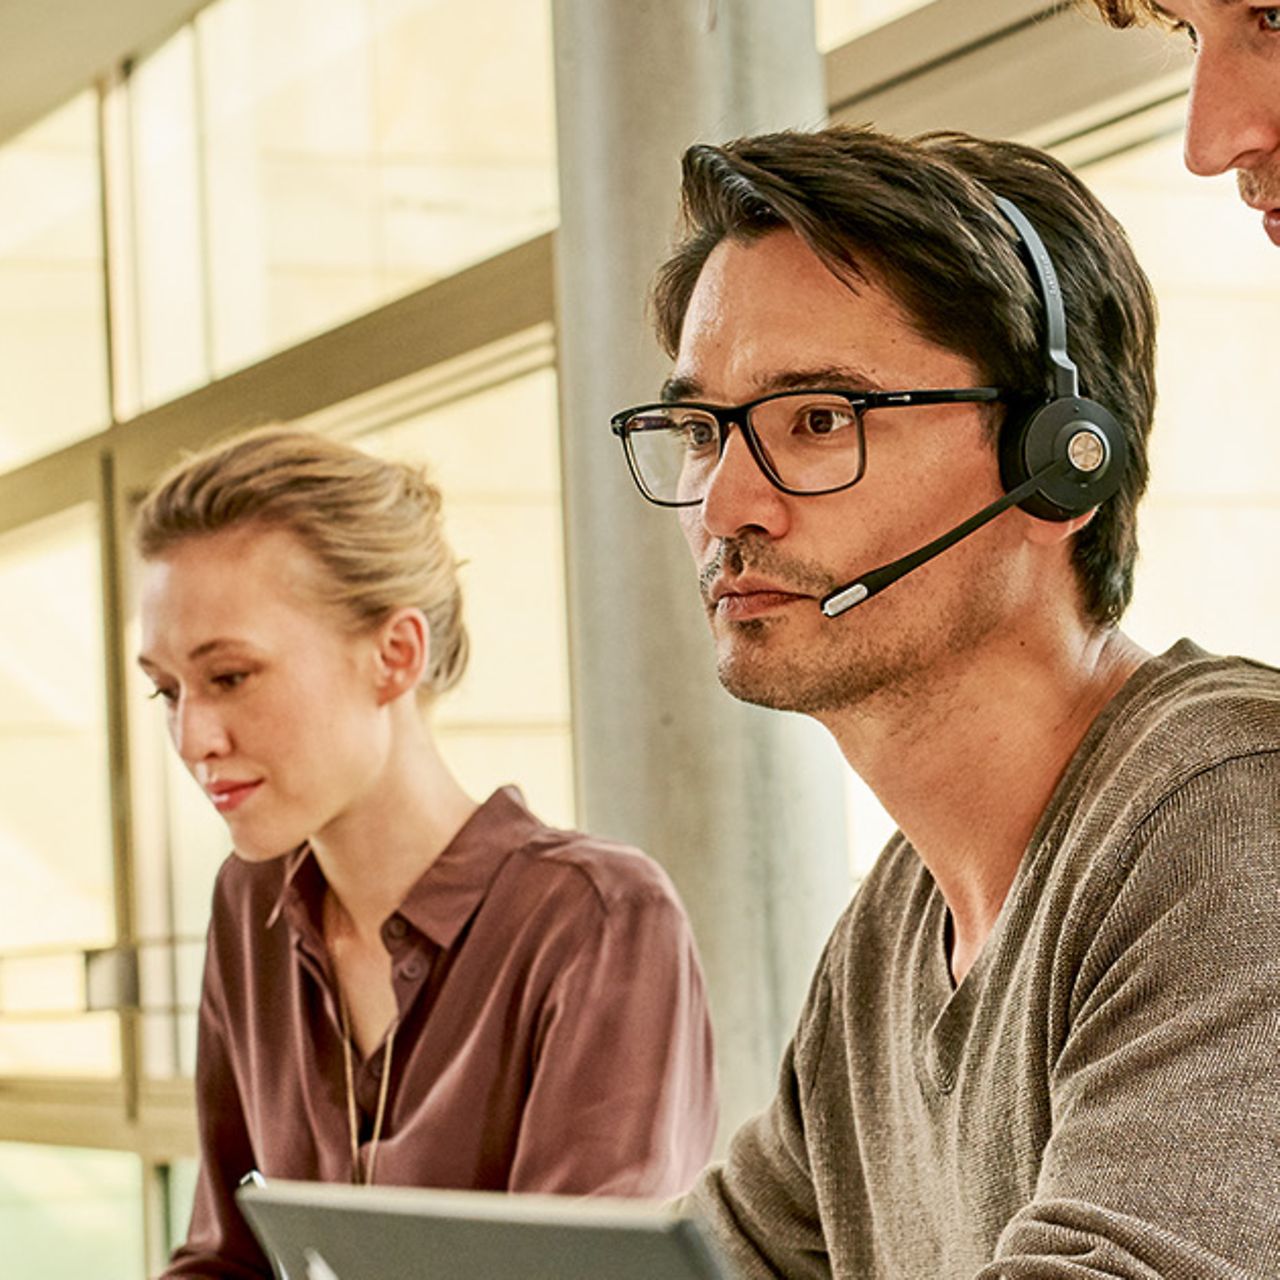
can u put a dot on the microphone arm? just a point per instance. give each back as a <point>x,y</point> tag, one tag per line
<point>863,588</point>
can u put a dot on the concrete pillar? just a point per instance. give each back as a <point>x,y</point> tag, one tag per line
<point>744,807</point>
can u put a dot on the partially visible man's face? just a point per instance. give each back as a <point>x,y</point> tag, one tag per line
<point>767,315</point>
<point>1233,119</point>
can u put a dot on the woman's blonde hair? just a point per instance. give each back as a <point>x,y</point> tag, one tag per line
<point>375,527</point>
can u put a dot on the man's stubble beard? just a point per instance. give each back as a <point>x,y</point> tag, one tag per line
<point>855,660</point>
<point>1260,186</point>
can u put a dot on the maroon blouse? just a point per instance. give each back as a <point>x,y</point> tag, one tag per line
<point>553,1031</point>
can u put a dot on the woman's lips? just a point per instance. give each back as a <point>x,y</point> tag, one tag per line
<point>228,796</point>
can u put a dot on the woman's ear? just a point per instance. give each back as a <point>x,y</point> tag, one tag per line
<point>403,652</point>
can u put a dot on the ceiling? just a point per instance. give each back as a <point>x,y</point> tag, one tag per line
<point>51,49</point>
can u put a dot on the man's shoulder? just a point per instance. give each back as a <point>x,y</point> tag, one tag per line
<point>1189,690</point>
<point>1194,738</point>
<point>1183,714</point>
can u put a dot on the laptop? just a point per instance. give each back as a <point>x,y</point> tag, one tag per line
<point>331,1231</point>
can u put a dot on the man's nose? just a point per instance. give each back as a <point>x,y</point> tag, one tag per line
<point>740,496</point>
<point>1233,120</point>
<point>197,731</point>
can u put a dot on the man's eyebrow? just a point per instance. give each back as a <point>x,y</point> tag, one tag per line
<point>842,376</point>
<point>680,389</point>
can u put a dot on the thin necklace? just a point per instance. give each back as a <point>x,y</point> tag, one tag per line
<point>353,1128</point>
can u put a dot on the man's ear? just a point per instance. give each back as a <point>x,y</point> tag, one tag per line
<point>403,651</point>
<point>1045,533</point>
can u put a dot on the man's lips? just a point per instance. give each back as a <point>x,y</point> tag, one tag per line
<point>740,598</point>
<point>1271,224</point>
<point>230,795</point>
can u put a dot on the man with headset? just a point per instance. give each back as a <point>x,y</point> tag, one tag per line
<point>1044,1039</point>
<point>1233,115</point>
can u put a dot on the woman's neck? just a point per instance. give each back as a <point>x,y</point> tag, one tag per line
<point>373,854</point>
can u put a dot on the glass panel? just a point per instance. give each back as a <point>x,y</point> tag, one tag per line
<point>52,318</point>
<point>55,829</point>
<point>180,1195</point>
<point>168,213</point>
<point>66,1214</point>
<point>1211,520</point>
<point>495,456</point>
<point>361,149</point>
<point>841,20</point>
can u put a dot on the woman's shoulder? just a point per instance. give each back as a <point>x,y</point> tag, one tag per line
<point>616,875</point>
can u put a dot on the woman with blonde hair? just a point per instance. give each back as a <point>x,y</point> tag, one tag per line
<point>400,984</point>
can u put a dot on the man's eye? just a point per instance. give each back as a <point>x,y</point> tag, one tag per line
<point>823,420</point>
<point>697,435</point>
<point>1269,18</point>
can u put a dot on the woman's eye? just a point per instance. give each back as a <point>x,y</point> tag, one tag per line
<point>164,694</point>
<point>230,679</point>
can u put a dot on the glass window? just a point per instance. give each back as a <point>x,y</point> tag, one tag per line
<point>841,20</point>
<point>66,1214</point>
<point>169,216</point>
<point>55,830</point>
<point>53,367</point>
<point>180,1194</point>
<point>361,150</point>
<point>1211,520</point>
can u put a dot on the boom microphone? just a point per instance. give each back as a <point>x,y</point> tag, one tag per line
<point>863,588</point>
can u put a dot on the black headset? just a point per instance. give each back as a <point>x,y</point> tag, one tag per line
<point>1073,445</point>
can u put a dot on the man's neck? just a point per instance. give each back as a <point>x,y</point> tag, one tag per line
<point>967,767</point>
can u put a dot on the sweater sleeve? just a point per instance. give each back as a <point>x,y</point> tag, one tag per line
<point>1164,1155</point>
<point>760,1204</point>
<point>622,1099</point>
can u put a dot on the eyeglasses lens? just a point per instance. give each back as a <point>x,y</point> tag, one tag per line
<point>809,442</point>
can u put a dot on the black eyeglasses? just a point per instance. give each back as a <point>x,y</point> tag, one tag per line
<point>805,442</point>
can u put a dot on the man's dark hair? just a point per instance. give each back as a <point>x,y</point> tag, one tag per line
<point>917,218</point>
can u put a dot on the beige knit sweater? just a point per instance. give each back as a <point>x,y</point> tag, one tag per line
<point>1101,1095</point>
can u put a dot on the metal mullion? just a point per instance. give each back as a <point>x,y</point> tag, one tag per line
<point>112,534</point>
<point>119,236</point>
<point>50,484</point>
<point>483,304</point>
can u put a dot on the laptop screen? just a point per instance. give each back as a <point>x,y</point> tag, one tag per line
<point>328,1231</point>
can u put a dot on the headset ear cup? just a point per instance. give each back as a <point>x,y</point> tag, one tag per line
<point>1033,443</point>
